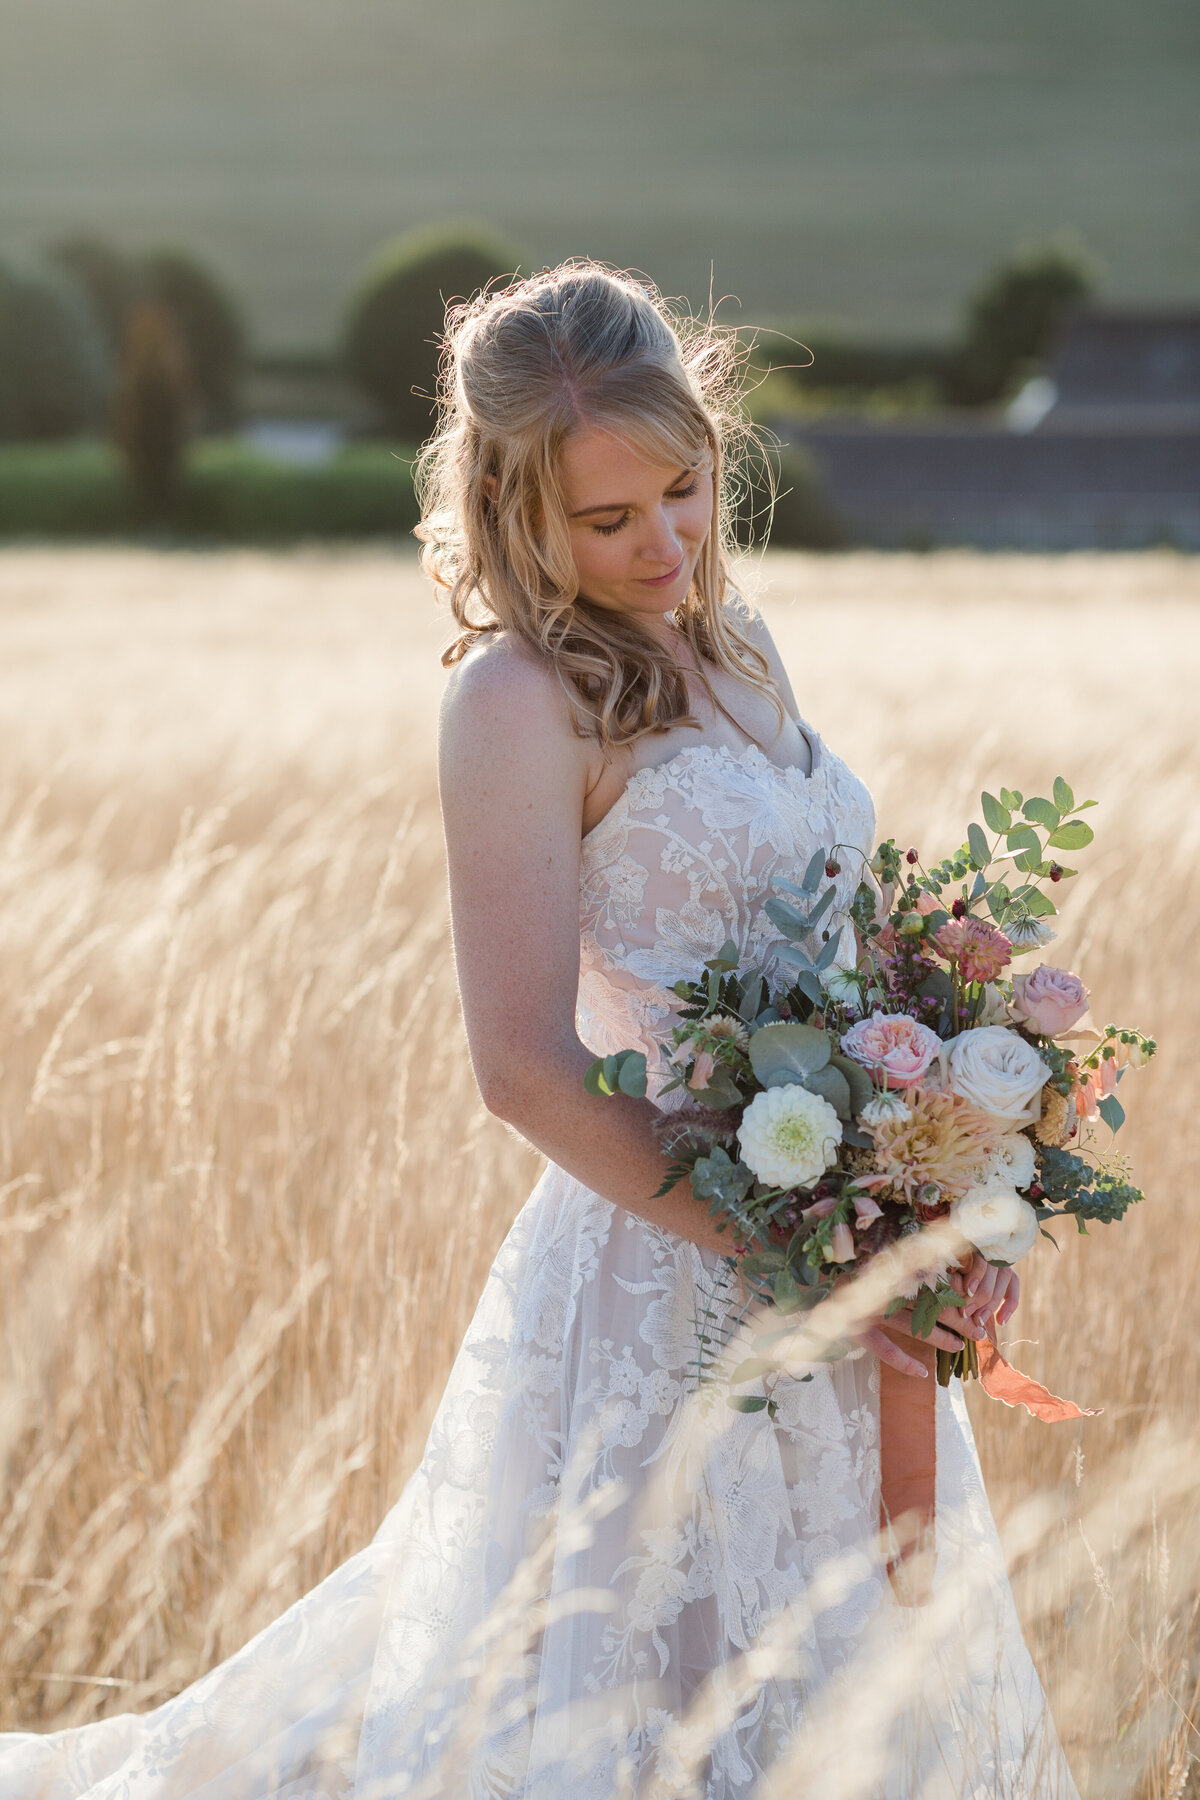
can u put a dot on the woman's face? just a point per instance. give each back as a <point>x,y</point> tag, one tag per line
<point>637,528</point>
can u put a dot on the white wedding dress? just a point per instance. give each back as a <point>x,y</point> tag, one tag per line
<point>595,1586</point>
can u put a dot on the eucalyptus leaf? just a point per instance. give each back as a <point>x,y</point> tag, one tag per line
<point>998,817</point>
<point>788,1052</point>
<point>814,872</point>
<point>822,907</point>
<point>1111,1111</point>
<point>857,1080</point>
<point>828,951</point>
<point>979,845</point>
<point>1040,905</point>
<point>1011,798</point>
<point>1024,838</point>
<point>788,919</point>
<point>1074,835</point>
<point>794,956</point>
<point>832,1085</point>
<point>632,1077</point>
<point>1064,799</point>
<point>718,1177</point>
<point>1042,812</point>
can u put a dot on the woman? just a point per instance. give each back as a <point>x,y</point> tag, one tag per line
<point>595,1583</point>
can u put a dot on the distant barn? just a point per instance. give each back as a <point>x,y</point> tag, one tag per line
<point>1100,450</point>
<point>1135,368</point>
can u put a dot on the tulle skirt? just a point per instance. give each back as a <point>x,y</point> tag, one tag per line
<point>602,1583</point>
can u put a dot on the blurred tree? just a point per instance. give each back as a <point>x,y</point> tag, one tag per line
<point>151,407</point>
<point>397,311</point>
<point>111,280</point>
<point>211,329</point>
<point>780,497</point>
<point>1012,319</point>
<point>54,371</point>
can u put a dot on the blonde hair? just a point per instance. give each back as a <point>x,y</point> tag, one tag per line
<point>523,367</point>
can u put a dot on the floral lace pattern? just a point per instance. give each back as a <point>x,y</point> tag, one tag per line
<point>596,1583</point>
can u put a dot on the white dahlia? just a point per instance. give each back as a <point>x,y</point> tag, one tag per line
<point>884,1105</point>
<point>789,1136</point>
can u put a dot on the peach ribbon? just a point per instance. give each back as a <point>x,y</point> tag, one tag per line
<point>908,1452</point>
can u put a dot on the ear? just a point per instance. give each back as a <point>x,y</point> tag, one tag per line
<point>490,487</point>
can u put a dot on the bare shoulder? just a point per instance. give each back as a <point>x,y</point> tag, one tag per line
<point>502,688</point>
<point>504,733</point>
<point>756,629</point>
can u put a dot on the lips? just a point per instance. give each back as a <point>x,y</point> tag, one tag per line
<point>663,580</point>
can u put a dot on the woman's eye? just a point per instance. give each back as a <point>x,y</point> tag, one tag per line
<point>684,493</point>
<point>608,530</point>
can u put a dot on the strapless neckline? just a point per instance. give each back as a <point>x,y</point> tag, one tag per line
<point>749,753</point>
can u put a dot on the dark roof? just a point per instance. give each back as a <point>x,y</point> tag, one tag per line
<point>1129,357</point>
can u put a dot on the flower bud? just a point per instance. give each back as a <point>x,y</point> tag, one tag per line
<point>832,868</point>
<point>911,855</point>
<point>959,909</point>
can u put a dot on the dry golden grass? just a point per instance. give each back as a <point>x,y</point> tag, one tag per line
<point>248,1195</point>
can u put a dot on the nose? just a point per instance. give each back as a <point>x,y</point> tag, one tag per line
<point>663,546</point>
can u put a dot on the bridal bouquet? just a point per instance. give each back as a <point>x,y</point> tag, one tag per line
<point>828,1118</point>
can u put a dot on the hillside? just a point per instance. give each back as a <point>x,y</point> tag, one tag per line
<point>845,158</point>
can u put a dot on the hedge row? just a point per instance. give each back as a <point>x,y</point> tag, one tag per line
<point>231,493</point>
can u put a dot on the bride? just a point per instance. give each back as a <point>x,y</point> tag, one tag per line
<point>596,1584</point>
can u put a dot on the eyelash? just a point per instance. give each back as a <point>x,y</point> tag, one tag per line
<point>676,494</point>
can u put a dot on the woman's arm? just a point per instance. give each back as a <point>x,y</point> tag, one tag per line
<point>513,778</point>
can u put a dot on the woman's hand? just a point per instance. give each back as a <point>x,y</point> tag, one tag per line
<point>875,1339</point>
<point>992,1293</point>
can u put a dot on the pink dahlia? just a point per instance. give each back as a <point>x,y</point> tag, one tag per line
<point>980,950</point>
<point>943,1140</point>
<point>893,1044</point>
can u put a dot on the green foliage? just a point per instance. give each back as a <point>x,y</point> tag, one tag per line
<point>229,493</point>
<point>622,1073</point>
<point>110,279</point>
<point>211,328</point>
<point>1091,1196</point>
<point>397,313</point>
<point>1012,319</point>
<point>54,365</point>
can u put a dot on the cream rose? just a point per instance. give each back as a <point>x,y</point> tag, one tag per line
<point>997,1221</point>
<point>789,1136</point>
<point>995,1070</point>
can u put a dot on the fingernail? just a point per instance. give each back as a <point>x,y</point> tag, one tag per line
<point>923,1372</point>
<point>971,1286</point>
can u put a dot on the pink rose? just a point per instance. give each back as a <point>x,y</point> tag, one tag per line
<point>702,1072</point>
<point>1048,1000</point>
<point>894,1043</point>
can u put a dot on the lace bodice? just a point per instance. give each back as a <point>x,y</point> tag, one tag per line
<point>686,858</point>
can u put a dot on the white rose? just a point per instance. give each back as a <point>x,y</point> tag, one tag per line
<point>1012,1161</point>
<point>789,1136</point>
<point>994,1010</point>
<point>995,1070</point>
<point>1001,1225</point>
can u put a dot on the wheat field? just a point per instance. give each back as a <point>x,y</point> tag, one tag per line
<point>248,1193</point>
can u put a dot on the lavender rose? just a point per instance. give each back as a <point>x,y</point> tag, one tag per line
<point>1048,1000</point>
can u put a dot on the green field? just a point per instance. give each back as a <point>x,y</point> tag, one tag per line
<point>848,159</point>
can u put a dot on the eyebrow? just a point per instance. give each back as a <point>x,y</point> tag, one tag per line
<point>624,505</point>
